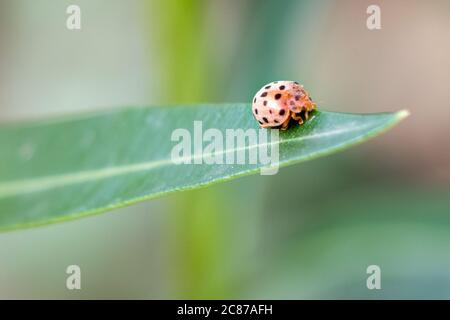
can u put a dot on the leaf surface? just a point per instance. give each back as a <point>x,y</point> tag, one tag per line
<point>61,169</point>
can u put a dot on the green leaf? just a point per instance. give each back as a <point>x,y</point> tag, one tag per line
<point>72,167</point>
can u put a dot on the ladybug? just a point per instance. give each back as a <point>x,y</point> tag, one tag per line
<point>277,102</point>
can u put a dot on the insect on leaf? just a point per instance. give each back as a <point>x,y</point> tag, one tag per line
<point>66,168</point>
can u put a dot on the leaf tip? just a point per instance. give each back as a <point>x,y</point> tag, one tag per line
<point>402,114</point>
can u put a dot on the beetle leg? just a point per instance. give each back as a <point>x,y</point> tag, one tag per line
<point>306,115</point>
<point>285,124</point>
<point>297,117</point>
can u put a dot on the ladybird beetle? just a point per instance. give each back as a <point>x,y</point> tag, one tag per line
<point>277,102</point>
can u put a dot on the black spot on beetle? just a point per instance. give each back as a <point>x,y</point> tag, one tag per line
<point>297,97</point>
<point>264,94</point>
<point>277,96</point>
<point>265,103</point>
<point>267,87</point>
<point>254,100</point>
<point>265,120</point>
<point>281,113</point>
<point>282,87</point>
<point>256,111</point>
<point>260,122</point>
<point>275,120</point>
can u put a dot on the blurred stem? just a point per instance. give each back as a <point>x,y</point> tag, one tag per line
<point>201,233</point>
<point>178,29</point>
<point>186,77</point>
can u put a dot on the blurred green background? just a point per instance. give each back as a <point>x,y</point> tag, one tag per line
<point>308,232</point>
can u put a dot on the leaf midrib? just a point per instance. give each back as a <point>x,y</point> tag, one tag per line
<point>11,188</point>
